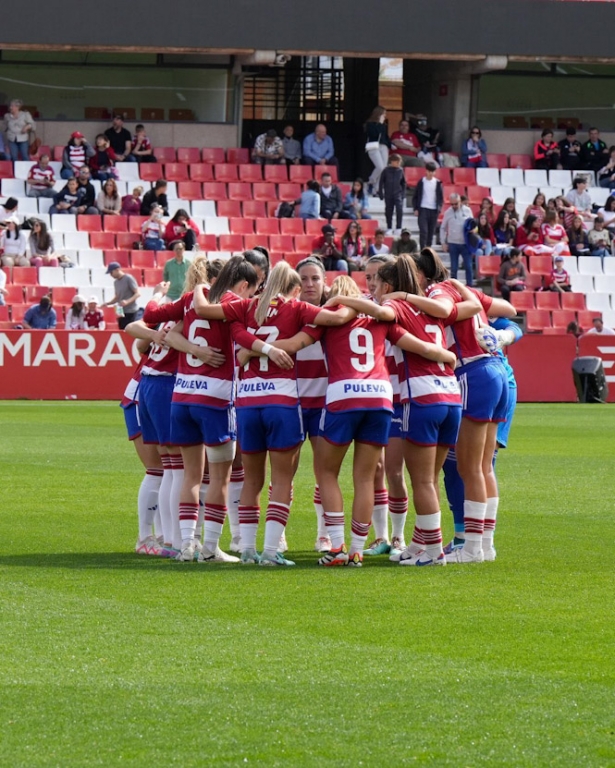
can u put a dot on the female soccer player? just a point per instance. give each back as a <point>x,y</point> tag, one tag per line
<point>268,411</point>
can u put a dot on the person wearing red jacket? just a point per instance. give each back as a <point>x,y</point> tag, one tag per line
<point>181,228</point>
<point>546,151</point>
<point>103,160</point>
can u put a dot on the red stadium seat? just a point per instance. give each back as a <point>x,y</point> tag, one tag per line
<point>136,273</point>
<point>6,169</point>
<point>547,300</point>
<point>465,176</point>
<point>522,301</point>
<point>281,243</point>
<point>293,258</point>
<point>226,172</point>
<point>143,259</point>
<point>291,226</point>
<point>289,191</point>
<point>239,190</point>
<point>449,189</point>
<point>275,258</point>
<point>176,172</point>
<point>229,208</point>
<point>301,173</point>
<point>264,191</point>
<point>63,295</point>
<point>537,319</point>
<point>360,280</point>
<point>268,227</point>
<point>231,242</point>
<point>214,190</point>
<point>190,190</point>
<point>151,171</point>
<point>250,172</point>
<point>303,243</point>
<point>207,242</point>
<point>4,314</point>
<point>188,155</point>
<point>104,241</point>
<point>272,208</point>
<point>521,161</point>
<point>126,240</point>
<point>14,293</point>
<point>562,317</point>
<point>202,172</point>
<point>320,169</point>
<point>212,155</point>
<point>574,301</point>
<point>35,293</point>
<point>115,223</point>
<point>89,223</point>
<point>476,193</point>
<point>314,227</point>
<point>541,265</point>
<point>57,152</point>
<point>122,258</point>
<point>368,227</point>
<point>25,275</point>
<point>250,241</point>
<point>276,173</point>
<point>533,282</point>
<point>135,222</point>
<point>585,318</point>
<point>255,209</point>
<point>239,155</point>
<point>496,160</point>
<point>488,266</point>
<point>19,310</point>
<point>165,154</point>
<point>241,226</point>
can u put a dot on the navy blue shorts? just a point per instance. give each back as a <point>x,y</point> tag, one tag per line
<point>484,390</point>
<point>269,428</point>
<point>131,417</point>
<point>311,421</point>
<point>504,426</point>
<point>397,421</point>
<point>436,424</point>
<point>200,425</point>
<point>342,427</point>
<point>155,394</point>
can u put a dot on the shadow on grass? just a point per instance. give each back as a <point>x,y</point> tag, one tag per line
<point>131,561</point>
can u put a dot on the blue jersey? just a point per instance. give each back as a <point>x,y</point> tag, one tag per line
<point>504,324</point>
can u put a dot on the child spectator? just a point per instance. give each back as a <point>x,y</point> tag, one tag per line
<point>76,154</point>
<point>608,212</point>
<point>181,228</point>
<point>102,161</point>
<point>509,207</point>
<point>75,317</point>
<point>152,231</point>
<point>67,199</point>
<point>553,234</point>
<point>392,189</point>
<point>141,146</point>
<point>108,200</point>
<point>378,247</point>
<point>13,244</point>
<point>131,204</point>
<point>309,202</point>
<point>155,196</point>
<point>486,207</point>
<point>558,279</point>
<point>537,208</point>
<point>354,246</point>
<point>356,202</point>
<point>577,238</point>
<point>599,239</point>
<point>529,237</point>
<point>485,234</point>
<point>41,246</point>
<point>546,151</point>
<point>41,179</point>
<point>94,319</point>
<point>504,233</point>
<point>512,275</point>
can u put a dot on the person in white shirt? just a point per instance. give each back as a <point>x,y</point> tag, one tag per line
<point>427,203</point>
<point>452,235</point>
<point>13,244</point>
<point>599,329</point>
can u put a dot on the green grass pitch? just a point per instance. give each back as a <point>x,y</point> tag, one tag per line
<point>110,659</point>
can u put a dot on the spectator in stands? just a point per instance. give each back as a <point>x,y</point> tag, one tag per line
<point>406,145</point>
<point>356,202</point>
<point>486,207</point>
<point>377,146</point>
<point>131,204</point>
<point>474,150</point>
<point>9,208</point>
<point>181,228</point>
<point>75,155</point>
<point>318,148</point>
<point>608,212</point>
<point>580,198</point>
<point>537,208</point>
<point>18,124</point>
<point>452,236</point>
<point>141,146</point>
<point>485,235</point>
<point>67,199</point>
<point>354,246</point>
<point>378,247</point>
<point>2,148</point>
<point>570,150</point>
<point>329,249</point>
<point>87,202</point>
<point>125,296</point>
<point>512,275</point>
<point>404,244</point>
<point>606,175</point>
<point>120,140</point>
<point>577,238</point>
<point>156,196</point>
<point>565,210</point>
<point>175,271</point>
<point>599,239</point>
<point>599,329</point>
<point>594,152</point>
<point>528,237</point>
<point>309,202</point>
<point>510,208</point>
<point>504,233</point>
<point>108,200</point>
<point>13,244</point>
<point>553,234</point>
<point>41,179</point>
<point>41,246</point>
<point>75,317</point>
<point>3,291</point>
<point>558,280</point>
<point>428,201</point>
<point>430,139</point>
<point>546,151</point>
<point>102,161</point>
<point>94,318</point>
<point>330,198</point>
<point>153,230</point>
<point>292,147</point>
<point>268,149</point>
<point>392,189</point>
<point>41,317</point>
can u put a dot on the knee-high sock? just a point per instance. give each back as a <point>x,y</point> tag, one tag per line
<point>214,520</point>
<point>320,514</point>
<point>334,525</point>
<point>234,494</point>
<point>148,501</point>
<point>178,479</point>
<point>454,491</point>
<point>275,523</point>
<point>164,500</point>
<point>380,519</point>
<point>248,526</point>
<point>398,512</point>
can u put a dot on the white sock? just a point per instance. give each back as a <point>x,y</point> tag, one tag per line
<point>398,512</point>
<point>275,523</point>
<point>176,487</point>
<point>474,523</point>
<point>320,514</point>
<point>214,522</point>
<point>147,501</point>
<point>380,519</point>
<point>334,522</point>
<point>248,526</point>
<point>164,505</point>
<point>198,534</point>
<point>234,494</point>
<point>158,523</point>
<point>491,517</point>
<point>359,537</point>
<point>429,525</point>
<point>188,514</point>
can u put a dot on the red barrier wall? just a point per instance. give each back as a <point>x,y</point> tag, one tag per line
<point>543,368</point>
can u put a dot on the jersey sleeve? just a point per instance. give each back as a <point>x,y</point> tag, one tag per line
<point>155,314</point>
<point>395,332</point>
<point>234,312</point>
<point>307,312</point>
<point>315,332</point>
<point>241,336</point>
<point>485,300</point>
<point>452,318</point>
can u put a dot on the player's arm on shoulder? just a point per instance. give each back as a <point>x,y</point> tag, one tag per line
<point>363,306</point>
<point>339,317</point>
<point>409,343</point>
<point>435,307</point>
<point>500,308</point>
<point>296,343</point>
<point>203,308</point>
<point>470,304</point>
<point>176,340</point>
<point>139,330</point>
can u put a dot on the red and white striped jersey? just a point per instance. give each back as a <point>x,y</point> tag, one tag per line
<point>461,335</point>
<point>358,373</point>
<point>131,393</point>
<point>38,175</point>
<point>76,155</point>
<point>198,383</point>
<point>161,360</point>
<point>428,382</point>
<point>396,367</point>
<point>261,382</point>
<point>312,374</point>
<point>554,232</point>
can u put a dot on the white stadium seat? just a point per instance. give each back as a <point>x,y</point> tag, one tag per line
<point>100,276</point>
<point>102,293</point>
<point>589,265</point>
<point>536,178</point>
<point>21,168</point>
<point>44,204</point>
<point>551,192</point>
<point>488,177</point>
<point>608,265</point>
<point>512,177</point>
<point>128,171</point>
<point>64,222</point>
<point>51,276</point>
<point>146,294</point>
<point>525,195</point>
<point>222,255</point>
<point>570,265</point>
<point>560,179</point>
<point>28,206</point>
<point>203,208</point>
<point>91,258</point>
<point>604,283</point>
<point>608,316</point>
<point>78,276</point>
<point>13,188</point>
<point>171,190</point>
<point>499,194</point>
<point>217,225</point>
<point>582,283</point>
<point>598,302</point>
<point>599,195</point>
<point>77,240</point>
